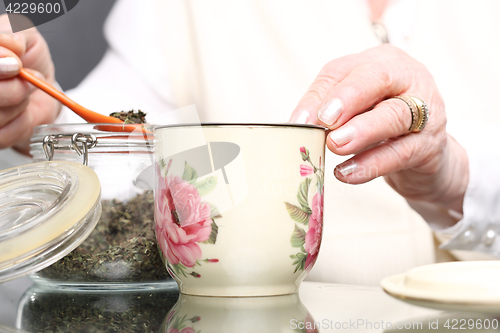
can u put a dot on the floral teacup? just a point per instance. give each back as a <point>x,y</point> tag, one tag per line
<point>239,208</point>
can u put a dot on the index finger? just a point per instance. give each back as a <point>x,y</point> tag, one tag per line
<point>361,90</point>
<point>28,45</point>
<point>329,76</point>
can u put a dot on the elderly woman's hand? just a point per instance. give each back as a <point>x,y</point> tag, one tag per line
<point>21,106</point>
<point>352,96</point>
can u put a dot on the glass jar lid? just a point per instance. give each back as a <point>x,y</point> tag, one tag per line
<point>47,209</point>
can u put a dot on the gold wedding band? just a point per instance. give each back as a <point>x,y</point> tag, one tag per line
<point>419,112</point>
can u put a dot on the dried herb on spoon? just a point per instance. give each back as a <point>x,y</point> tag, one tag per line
<point>130,117</point>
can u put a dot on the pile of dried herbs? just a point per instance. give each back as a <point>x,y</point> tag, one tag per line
<point>122,247</point>
<point>129,312</point>
<point>130,117</point>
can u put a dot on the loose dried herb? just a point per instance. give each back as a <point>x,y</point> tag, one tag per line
<point>45,311</point>
<point>121,248</point>
<point>130,117</point>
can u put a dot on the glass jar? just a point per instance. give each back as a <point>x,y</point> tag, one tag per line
<point>121,252</point>
<point>55,310</point>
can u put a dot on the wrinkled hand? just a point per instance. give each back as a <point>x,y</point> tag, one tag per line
<point>21,106</point>
<point>352,97</point>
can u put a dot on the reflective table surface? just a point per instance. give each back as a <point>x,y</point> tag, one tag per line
<point>319,307</point>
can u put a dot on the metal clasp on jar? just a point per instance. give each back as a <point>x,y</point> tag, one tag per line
<point>79,143</point>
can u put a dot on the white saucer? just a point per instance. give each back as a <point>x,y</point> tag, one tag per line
<point>472,286</point>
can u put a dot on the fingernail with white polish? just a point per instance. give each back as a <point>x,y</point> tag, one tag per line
<point>8,65</point>
<point>346,170</point>
<point>301,118</point>
<point>330,111</point>
<point>342,136</point>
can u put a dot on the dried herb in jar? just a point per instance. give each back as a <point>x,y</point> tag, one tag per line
<point>121,248</point>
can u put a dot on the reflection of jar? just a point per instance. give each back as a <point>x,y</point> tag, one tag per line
<point>121,252</point>
<point>55,310</point>
<point>239,314</point>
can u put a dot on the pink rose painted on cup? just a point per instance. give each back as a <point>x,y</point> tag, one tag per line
<point>313,236</point>
<point>308,215</point>
<point>183,220</point>
<point>306,170</point>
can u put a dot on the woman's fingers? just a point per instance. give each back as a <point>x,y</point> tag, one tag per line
<point>11,135</point>
<point>329,76</point>
<point>8,113</point>
<point>10,62</point>
<point>9,66</point>
<point>15,97</point>
<point>389,119</point>
<point>387,158</point>
<point>21,106</point>
<point>306,110</point>
<point>16,43</point>
<point>13,91</point>
<point>350,85</point>
<point>28,45</point>
<point>363,88</point>
<point>352,97</point>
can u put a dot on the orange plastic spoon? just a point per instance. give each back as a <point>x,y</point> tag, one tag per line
<point>86,114</point>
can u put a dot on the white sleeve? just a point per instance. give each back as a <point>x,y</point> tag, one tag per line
<point>114,86</point>
<point>478,228</point>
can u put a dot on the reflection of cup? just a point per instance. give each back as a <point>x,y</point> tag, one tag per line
<point>239,208</point>
<point>235,314</point>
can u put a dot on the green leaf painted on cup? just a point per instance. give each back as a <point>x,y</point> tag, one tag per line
<point>213,234</point>
<point>320,183</point>
<point>303,194</point>
<point>190,175</point>
<point>298,237</point>
<point>206,186</point>
<point>179,269</point>
<point>297,214</point>
<point>214,211</point>
<point>299,261</point>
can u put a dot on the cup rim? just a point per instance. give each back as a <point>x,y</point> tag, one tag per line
<point>263,125</point>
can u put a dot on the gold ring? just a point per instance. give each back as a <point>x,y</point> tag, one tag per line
<point>419,113</point>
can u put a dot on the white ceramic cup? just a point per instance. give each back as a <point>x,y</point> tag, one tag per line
<point>239,208</point>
